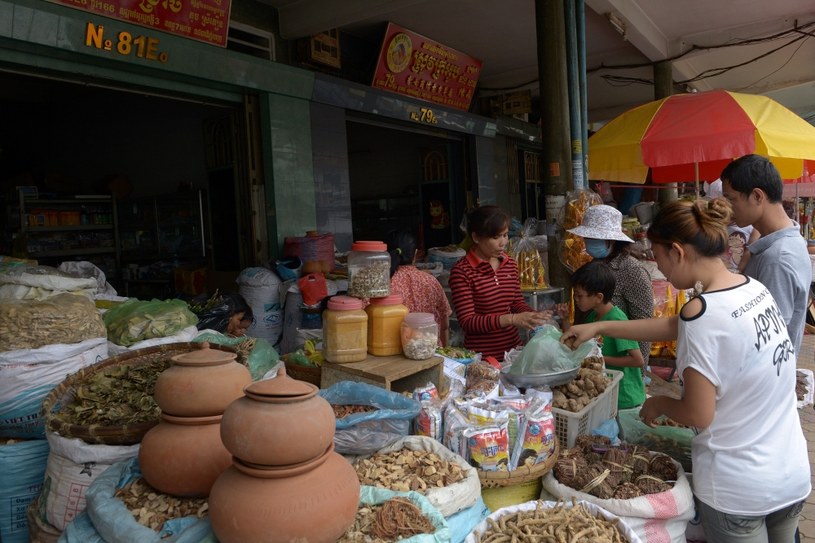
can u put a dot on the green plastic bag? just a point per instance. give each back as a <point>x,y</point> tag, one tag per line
<point>675,441</point>
<point>137,320</point>
<point>544,353</point>
<point>261,358</point>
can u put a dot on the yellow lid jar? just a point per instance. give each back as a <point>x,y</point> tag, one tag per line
<point>385,316</point>
<point>345,330</point>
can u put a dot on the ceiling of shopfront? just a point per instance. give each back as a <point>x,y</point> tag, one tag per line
<point>751,46</point>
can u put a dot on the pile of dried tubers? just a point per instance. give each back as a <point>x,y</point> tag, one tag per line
<point>407,469</point>
<point>152,508</point>
<point>589,383</point>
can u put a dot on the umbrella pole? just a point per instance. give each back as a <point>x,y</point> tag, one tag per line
<point>696,173</point>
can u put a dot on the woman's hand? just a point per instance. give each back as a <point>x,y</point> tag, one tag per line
<point>530,320</point>
<point>579,334</point>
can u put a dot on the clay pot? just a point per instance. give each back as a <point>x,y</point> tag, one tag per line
<point>182,456</point>
<point>201,383</point>
<point>315,501</point>
<point>278,422</point>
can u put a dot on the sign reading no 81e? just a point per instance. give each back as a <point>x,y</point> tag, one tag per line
<point>202,20</point>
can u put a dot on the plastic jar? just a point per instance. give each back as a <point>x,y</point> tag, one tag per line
<point>345,330</point>
<point>385,316</point>
<point>369,270</point>
<point>420,336</point>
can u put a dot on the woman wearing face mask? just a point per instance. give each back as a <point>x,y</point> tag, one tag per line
<point>602,230</point>
<point>486,291</point>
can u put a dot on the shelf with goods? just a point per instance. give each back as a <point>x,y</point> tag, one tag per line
<point>76,227</point>
<point>159,235</point>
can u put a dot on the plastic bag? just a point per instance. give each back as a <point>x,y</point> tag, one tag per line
<point>544,353</point>
<point>365,433</point>
<point>524,250</point>
<point>572,247</point>
<point>313,288</point>
<point>371,495</point>
<point>675,441</point>
<point>262,356</point>
<point>114,522</point>
<point>137,320</point>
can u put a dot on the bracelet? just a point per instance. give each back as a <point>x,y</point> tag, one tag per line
<point>512,319</point>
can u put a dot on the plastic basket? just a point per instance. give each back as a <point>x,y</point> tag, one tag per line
<point>569,425</point>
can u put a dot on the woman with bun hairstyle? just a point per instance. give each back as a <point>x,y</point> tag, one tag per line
<point>485,288</point>
<point>736,366</point>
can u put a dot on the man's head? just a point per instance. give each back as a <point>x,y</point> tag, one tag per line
<point>751,183</point>
<point>593,284</point>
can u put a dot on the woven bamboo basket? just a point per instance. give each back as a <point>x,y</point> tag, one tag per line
<point>63,395</point>
<point>309,374</point>
<point>524,474</point>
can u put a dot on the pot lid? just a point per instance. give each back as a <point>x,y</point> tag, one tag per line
<point>205,356</point>
<point>282,386</point>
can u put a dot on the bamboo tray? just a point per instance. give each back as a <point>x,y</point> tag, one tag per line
<point>63,395</point>
<point>524,474</point>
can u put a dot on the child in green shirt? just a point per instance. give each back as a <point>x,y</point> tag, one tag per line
<point>593,285</point>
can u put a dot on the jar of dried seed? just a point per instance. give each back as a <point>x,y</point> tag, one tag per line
<point>369,270</point>
<point>420,336</point>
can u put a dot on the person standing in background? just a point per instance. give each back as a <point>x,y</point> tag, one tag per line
<point>779,257</point>
<point>602,229</point>
<point>420,291</point>
<point>485,288</point>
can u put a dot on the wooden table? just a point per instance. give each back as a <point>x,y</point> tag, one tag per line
<point>395,373</point>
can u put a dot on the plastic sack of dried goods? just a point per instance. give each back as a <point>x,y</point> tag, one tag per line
<point>372,496</point>
<point>22,464</point>
<point>364,433</point>
<point>137,320</point>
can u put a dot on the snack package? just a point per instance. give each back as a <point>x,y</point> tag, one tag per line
<point>536,440</point>
<point>429,421</point>
<point>489,447</point>
<point>426,393</point>
<point>455,423</point>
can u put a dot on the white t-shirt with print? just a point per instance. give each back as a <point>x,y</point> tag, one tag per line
<point>752,459</point>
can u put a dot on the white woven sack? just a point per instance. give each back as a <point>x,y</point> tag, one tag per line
<point>448,499</point>
<point>28,375</point>
<point>182,336</point>
<point>656,518</point>
<point>72,466</point>
<point>592,508</point>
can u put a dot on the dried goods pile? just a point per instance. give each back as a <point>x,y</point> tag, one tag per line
<point>117,395</point>
<point>589,383</point>
<point>595,467</point>
<point>395,519</point>
<point>406,469</point>
<point>152,508</point>
<point>342,411</point>
<point>64,318</point>
<point>558,524</point>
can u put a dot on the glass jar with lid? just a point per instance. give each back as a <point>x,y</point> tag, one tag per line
<point>369,270</point>
<point>420,336</point>
<point>345,330</point>
<point>385,316</point>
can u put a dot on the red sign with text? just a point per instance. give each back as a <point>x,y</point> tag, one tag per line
<point>202,20</point>
<point>413,65</point>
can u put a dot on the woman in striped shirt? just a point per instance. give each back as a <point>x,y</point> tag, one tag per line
<point>485,288</point>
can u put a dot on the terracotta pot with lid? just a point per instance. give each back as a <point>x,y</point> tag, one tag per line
<point>278,422</point>
<point>201,383</point>
<point>314,501</point>
<point>183,456</point>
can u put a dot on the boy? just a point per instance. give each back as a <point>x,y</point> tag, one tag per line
<point>593,285</point>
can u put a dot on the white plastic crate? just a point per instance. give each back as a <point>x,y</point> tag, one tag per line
<point>569,425</point>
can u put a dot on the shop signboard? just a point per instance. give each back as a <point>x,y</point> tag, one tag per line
<point>416,66</point>
<point>202,20</point>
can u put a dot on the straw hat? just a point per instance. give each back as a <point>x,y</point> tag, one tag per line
<point>601,222</point>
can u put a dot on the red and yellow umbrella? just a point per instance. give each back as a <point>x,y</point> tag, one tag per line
<point>692,137</point>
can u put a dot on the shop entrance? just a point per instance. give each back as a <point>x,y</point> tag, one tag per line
<point>169,176</point>
<point>402,178</point>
